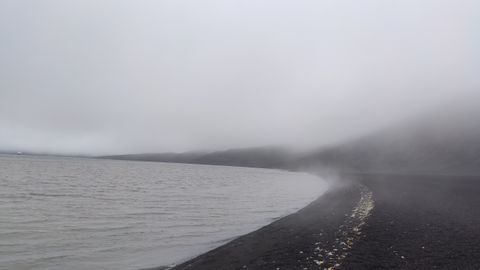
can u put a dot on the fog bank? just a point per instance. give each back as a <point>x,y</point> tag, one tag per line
<point>112,77</point>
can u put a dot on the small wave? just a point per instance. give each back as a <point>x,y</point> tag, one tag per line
<point>57,195</point>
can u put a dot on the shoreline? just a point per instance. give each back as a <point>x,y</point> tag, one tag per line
<point>291,242</point>
<point>327,188</point>
<point>417,222</point>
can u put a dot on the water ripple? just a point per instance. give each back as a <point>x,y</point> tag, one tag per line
<point>67,213</point>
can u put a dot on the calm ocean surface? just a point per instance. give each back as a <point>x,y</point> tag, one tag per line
<point>73,213</point>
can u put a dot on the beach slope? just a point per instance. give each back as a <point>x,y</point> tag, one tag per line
<point>289,243</point>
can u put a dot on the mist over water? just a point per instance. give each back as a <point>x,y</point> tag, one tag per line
<point>66,213</point>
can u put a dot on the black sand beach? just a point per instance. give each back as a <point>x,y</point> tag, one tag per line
<point>420,222</point>
<point>375,221</point>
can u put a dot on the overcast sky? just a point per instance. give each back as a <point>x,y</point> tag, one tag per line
<point>106,77</point>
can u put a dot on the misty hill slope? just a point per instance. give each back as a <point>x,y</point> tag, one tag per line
<point>263,157</point>
<point>445,142</point>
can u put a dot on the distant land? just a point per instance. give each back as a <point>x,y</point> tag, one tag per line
<point>261,157</point>
<point>443,142</point>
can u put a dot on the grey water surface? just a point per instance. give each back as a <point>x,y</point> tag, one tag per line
<point>78,213</point>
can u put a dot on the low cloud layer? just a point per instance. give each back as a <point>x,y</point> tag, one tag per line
<point>108,77</point>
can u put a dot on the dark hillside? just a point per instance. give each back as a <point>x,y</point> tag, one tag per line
<point>263,157</point>
<point>444,142</point>
<point>447,142</point>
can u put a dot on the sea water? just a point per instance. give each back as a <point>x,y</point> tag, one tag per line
<point>79,213</point>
